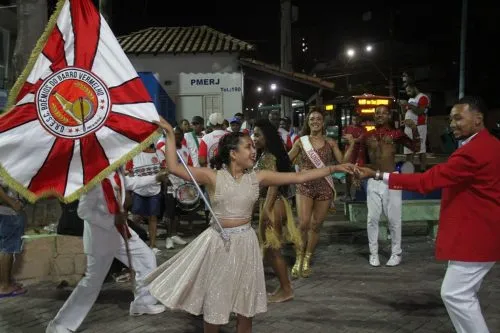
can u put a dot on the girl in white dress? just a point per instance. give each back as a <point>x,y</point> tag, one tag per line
<point>210,277</point>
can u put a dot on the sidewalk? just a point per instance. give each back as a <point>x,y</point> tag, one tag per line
<point>344,294</point>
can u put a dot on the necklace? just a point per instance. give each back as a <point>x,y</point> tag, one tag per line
<point>237,179</point>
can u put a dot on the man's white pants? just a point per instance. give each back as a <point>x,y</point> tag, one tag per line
<point>459,293</point>
<point>380,198</point>
<point>422,132</point>
<point>77,306</point>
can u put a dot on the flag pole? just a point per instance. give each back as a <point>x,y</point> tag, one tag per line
<point>223,233</point>
<point>463,41</point>
<point>120,195</point>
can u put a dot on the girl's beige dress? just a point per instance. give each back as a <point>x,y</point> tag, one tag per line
<point>210,279</point>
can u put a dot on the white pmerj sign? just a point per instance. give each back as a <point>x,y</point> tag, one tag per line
<point>201,94</point>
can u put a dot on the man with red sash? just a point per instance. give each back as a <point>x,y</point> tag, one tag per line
<point>104,235</point>
<point>469,223</point>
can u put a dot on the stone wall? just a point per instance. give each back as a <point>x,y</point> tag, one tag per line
<point>51,257</point>
<point>43,213</point>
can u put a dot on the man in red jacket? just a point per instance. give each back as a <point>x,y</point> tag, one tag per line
<point>469,223</point>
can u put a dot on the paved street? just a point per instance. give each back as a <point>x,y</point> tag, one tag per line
<point>344,294</point>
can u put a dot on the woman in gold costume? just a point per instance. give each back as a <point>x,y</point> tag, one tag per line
<point>275,210</point>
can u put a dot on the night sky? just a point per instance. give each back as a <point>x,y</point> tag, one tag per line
<point>331,26</point>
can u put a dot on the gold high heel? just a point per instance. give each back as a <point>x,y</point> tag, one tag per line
<point>306,266</point>
<point>299,257</point>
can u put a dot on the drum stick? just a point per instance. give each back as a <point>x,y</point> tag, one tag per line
<point>223,233</point>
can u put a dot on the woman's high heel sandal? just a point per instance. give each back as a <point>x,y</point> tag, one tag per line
<point>296,269</point>
<point>306,266</point>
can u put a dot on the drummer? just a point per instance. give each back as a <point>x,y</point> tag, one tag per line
<point>172,213</point>
<point>380,145</point>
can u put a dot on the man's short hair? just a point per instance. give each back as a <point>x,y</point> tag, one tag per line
<point>476,103</point>
<point>239,114</point>
<point>198,119</point>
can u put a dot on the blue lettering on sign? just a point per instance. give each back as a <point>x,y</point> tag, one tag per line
<point>205,82</point>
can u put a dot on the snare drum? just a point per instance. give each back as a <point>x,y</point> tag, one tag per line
<point>187,197</point>
<point>405,167</point>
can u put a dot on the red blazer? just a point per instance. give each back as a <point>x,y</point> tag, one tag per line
<point>469,222</point>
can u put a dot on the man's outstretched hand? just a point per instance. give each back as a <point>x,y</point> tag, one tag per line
<point>346,167</point>
<point>363,172</point>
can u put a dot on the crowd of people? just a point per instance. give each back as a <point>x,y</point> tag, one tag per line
<point>267,168</point>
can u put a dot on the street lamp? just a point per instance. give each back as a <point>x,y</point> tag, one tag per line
<point>273,86</point>
<point>259,89</point>
<point>368,48</point>
<point>351,53</point>
<point>260,104</point>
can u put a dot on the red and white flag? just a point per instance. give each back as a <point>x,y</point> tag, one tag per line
<point>79,110</point>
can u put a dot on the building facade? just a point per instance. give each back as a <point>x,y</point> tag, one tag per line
<point>198,67</point>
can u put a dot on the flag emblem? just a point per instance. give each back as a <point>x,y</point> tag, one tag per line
<point>78,111</point>
<point>72,103</point>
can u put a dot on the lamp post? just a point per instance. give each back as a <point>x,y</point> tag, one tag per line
<point>351,54</point>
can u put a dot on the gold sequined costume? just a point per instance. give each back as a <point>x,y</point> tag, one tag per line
<point>269,236</point>
<point>205,277</point>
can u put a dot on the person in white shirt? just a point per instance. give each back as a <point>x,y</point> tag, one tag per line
<point>274,118</point>
<point>209,142</point>
<point>193,138</point>
<point>105,231</point>
<point>172,212</point>
<point>286,124</point>
<point>147,200</point>
<point>244,124</point>
<point>417,108</point>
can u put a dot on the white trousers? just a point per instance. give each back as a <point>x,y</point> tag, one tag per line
<point>380,199</point>
<point>459,293</point>
<point>422,132</point>
<point>79,303</point>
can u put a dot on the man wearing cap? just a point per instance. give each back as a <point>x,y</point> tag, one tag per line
<point>244,124</point>
<point>235,125</point>
<point>209,142</point>
<point>193,138</point>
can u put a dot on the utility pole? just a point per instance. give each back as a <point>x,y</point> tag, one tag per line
<point>391,45</point>
<point>105,9</point>
<point>286,51</point>
<point>31,21</point>
<point>463,39</point>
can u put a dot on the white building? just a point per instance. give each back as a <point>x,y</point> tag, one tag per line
<point>197,66</point>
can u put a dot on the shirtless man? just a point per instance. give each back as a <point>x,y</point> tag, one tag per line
<point>381,147</point>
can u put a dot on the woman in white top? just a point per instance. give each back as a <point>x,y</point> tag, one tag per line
<point>210,276</point>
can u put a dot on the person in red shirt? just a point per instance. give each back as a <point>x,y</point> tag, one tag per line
<point>469,224</point>
<point>356,130</point>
